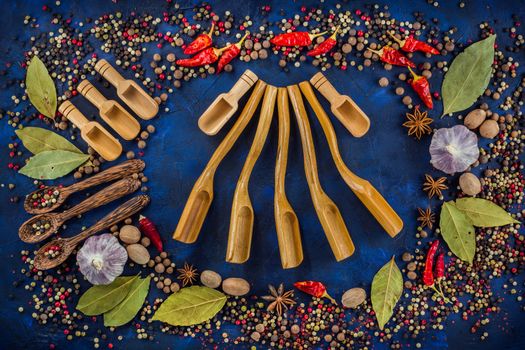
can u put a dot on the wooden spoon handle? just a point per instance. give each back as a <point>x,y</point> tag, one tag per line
<point>91,93</point>
<point>109,73</point>
<point>71,112</point>
<point>245,82</point>
<point>326,88</point>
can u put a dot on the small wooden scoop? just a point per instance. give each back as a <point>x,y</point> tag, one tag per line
<point>371,198</point>
<point>67,245</point>
<point>201,195</point>
<point>55,220</point>
<point>343,107</point>
<point>111,111</point>
<point>242,216</point>
<point>129,91</point>
<point>92,132</point>
<point>331,220</point>
<point>226,104</point>
<point>286,222</point>
<point>126,168</point>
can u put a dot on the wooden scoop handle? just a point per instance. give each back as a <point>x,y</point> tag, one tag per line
<point>109,73</point>
<point>91,93</point>
<point>71,112</point>
<point>326,88</point>
<point>241,222</point>
<point>245,82</point>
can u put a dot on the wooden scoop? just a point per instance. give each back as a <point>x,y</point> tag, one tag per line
<point>67,245</point>
<point>92,132</point>
<point>242,216</point>
<point>343,107</point>
<point>331,220</point>
<point>371,198</point>
<point>286,222</point>
<point>129,91</point>
<point>201,195</point>
<point>126,168</point>
<point>226,104</point>
<point>55,220</point>
<point>111,111</point>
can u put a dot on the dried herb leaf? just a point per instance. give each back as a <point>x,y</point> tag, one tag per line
<point>190,306</point>
<point>458,232</point>
<point>41,88</point>
<point>387,287</point>
<point>130,306</point>
<point>49,165</point>
<point>38,140</point>
<point>468,76</point>
<point>484,213</point>
<point>102,298</point>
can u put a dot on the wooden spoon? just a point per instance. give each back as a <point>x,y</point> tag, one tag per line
<point>92,132</point>
<point>111,111</point>
<point>67,245</point>
<point>286,222</point>
<point>201,196</point>
<point>129,91</point>
<point>226,104</point>
<point>242,216</point>
<point>331,220</point>
<point>343,107</point>
<point>126,168</point>
<point>55,220</point>
<point>371,198</point>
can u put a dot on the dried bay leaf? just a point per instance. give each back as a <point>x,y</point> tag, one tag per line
<point>49,165</point>
<point>468,76</point>
<point>190,306</point>
<point>387,287</point>
<point>38,140</point>
<point>130,306</point>
<point>102,298</point>
<point>484,213</point>
<point>41,88</point>
<point>458,232</point>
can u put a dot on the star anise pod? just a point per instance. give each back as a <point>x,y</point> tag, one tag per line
<point>279,299</point>
<point>418,123</point>
<point>433,187</point>
<point>188,274</point>
<point>426,217</point>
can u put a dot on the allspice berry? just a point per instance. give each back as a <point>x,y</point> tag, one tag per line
<point>475,118</point>
<point>489,129</point>
<point>469,184</point>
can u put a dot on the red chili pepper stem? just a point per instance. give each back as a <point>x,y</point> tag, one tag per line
<point>326,295</point>
<point>414,75</point>
<point>399,41</point>
<point>240,42</point>
<point>210,33</point>
<point>313,36</point>
<point>334,34</point>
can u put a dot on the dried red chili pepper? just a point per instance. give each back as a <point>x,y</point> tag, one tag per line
<point>411,45</point>
<point>394,57</point>
<point>421,86</point>
<point>440,266</point>
<point>201,42</point>
<point>230,53</point>
<point>428,274</point>
<point>317,289</point>
<point>325,46</point>
<point>294,39</point>
<point>147,227</point>
<point>206,56</point>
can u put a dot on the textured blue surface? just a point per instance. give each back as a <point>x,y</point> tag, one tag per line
<point>178,152</point>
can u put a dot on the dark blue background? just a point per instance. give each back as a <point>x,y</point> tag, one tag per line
<point>178,151</point>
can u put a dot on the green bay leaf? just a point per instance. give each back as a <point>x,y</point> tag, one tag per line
<point>41,88</point>
<point>458,232</point>
<point>38,140</point>
<point>130,306</point>
<point>387,287</point>
<point>49,165</point>
<point>468,76</point>
<point>484,213</point>
<point>190,306</point>
<point>102,298</point>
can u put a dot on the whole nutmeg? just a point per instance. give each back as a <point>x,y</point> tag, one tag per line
<point>137,253</point>
<point>235,286</point>
<point>211,279</point>
<point>129,234</point>
<point>475,118</point>
<point>354,297</point>
<point>469,184</point>
<point>489,129</point>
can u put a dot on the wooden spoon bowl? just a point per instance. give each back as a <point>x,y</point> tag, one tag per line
<point>28,234</point>
<point>29,201</point>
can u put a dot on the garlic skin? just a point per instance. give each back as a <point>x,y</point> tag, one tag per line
<point>102,259</point>
<point>453,149</point>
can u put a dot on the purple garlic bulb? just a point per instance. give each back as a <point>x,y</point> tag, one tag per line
<point>453,149</point>
<point>102,259</point>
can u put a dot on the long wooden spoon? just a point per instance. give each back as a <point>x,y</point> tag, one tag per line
<point>286,222</point>
<point>126,168</point>
<point>242,216</point>
<point>371,198</point>
<point>201,196</point>
<point>53,221</point>
<point>67,245</point>
<point>331,220</point>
